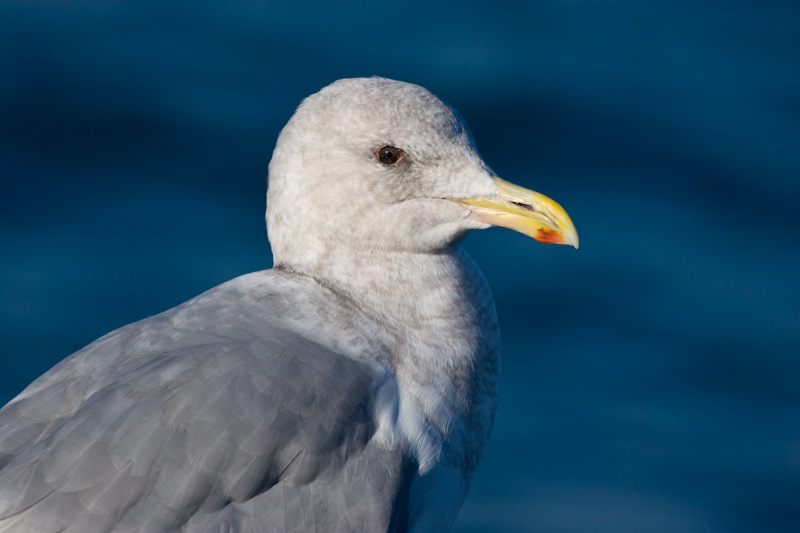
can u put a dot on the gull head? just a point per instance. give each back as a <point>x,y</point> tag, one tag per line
<point>382,166</point>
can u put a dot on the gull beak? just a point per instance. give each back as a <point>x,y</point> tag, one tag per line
<point>525,211</point>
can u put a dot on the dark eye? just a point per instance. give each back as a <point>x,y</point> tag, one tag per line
<point>389,155</point>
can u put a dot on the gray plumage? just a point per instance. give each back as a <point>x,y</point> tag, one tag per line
<point>350,388</point>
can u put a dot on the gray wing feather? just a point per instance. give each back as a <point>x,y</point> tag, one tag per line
<point>234,425</point>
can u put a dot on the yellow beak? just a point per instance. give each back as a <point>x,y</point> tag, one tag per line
<point>525,211</point>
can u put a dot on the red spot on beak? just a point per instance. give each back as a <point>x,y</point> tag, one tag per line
<point>548,236</point>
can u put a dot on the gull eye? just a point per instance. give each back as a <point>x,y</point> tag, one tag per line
<point>389,155</point>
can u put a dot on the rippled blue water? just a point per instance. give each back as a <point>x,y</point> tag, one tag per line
<point>651,379</point>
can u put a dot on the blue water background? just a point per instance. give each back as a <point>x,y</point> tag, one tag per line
<point>651,379</point>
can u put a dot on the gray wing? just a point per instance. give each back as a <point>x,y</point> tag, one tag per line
<point>239,431</point>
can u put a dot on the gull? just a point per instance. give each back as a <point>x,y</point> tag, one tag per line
<point>351,387</point>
